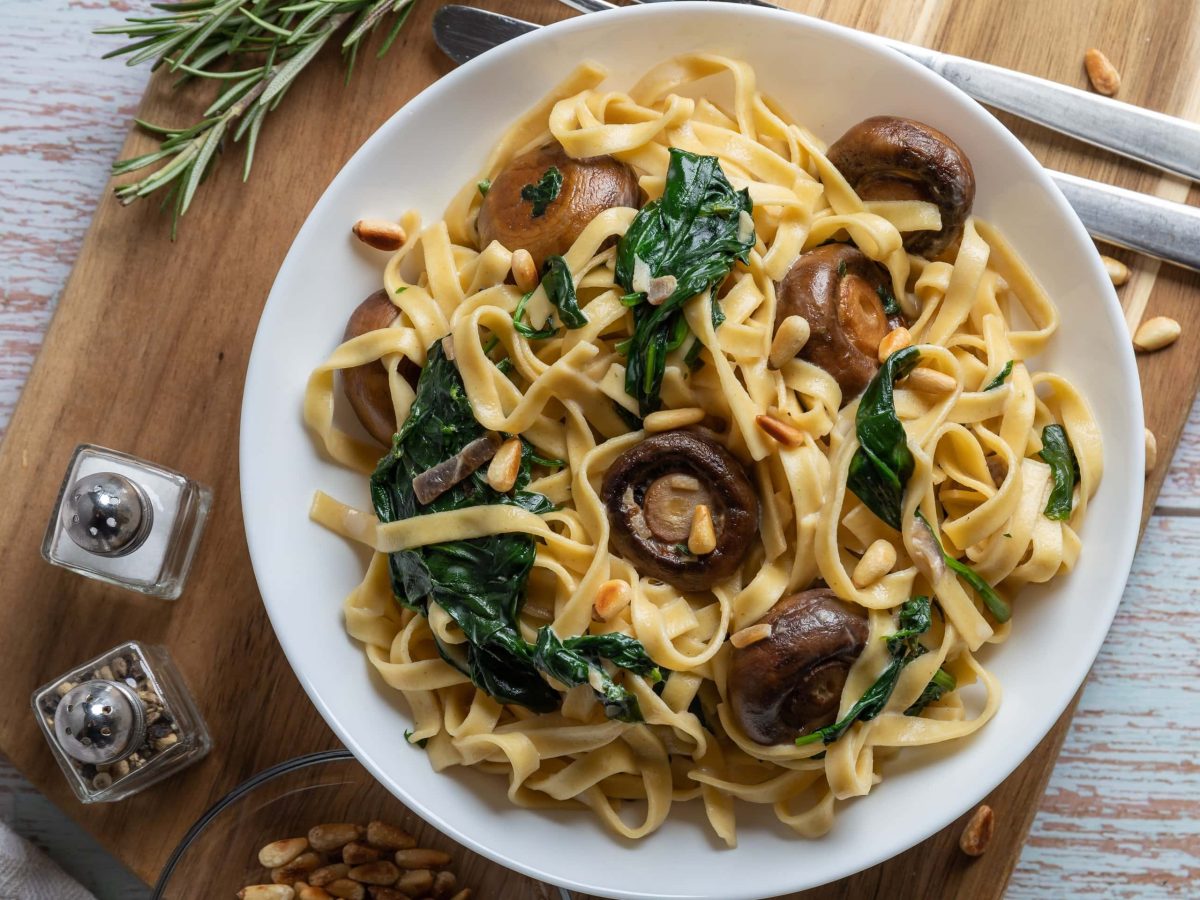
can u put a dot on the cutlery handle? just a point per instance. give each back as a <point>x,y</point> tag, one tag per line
<point>1150,225</point>
<point>1162,141</point>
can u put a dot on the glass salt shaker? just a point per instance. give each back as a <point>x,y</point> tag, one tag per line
<point>126,521</point>
<point>121,722</point>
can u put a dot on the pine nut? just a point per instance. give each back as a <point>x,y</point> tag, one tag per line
<point>312,892</point>
<point>1156,333</point>
<point>266,892</point>
<point>930,381</point>
<point>322,876</point>
<point>422,859</point>
<point>780,431</point>
<point>464,894</point>
<point>416,883</point>
<point>524,271</point>
<point>750,635</point>
<point>280,853</point>
<point>789,340</point>
<point>612,597</point>
<point>444,884</point>
<point>380,234</point>
<point>1151,450</point>
<point>332,836</point>
<point>297,869</point>
<point>875,563</point>
<point>703,539</point>
<point>978,833</point>
<point>670,419</point>
<point>346,889</point>
<point>896,339</point>
<point>1101,72</point>
<point>355,854</point>
<point>505,466</point>
<point>381,872</point>
<point>389,837</point>
<point>387,893</point>
<point>1118,272</point>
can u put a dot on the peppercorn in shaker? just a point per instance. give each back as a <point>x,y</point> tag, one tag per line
<point>126,521</point>
<point>121,722</point>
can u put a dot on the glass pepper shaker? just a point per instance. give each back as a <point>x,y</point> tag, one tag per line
<point>126,521</point>
<point>121,722</point>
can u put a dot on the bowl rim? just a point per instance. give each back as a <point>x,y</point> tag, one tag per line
<point>1110,309</point>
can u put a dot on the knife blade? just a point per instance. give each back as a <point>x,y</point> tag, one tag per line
<point>1149,225</point>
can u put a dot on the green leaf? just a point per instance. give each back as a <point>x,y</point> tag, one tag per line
<point>941,683</point>
<point>1000,378</point>
<point>545,192</point>
<point>996,604</point>
<point>560,288</point>
<point>484,186</point>
<point>1064,468</point>
<point>692,232</point>
<point>577,661</point>
<point>882,464</point>
<point>534,334</point>
<point>888,299</point>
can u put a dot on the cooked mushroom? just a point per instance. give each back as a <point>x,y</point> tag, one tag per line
<point>651,492</point>
<point>589,186</point>
<point>790,683</point>
<point>840,292</point>
<point>890,158</point>
<point>366,386</point>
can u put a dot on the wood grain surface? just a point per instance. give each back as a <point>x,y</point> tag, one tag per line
<point>1121,816</point>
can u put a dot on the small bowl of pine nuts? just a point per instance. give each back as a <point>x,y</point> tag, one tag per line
<point>317,827</point>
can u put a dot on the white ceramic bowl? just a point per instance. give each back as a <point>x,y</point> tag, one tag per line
<point>828,78</point>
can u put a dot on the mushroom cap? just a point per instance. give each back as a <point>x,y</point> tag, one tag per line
<point>891,158</point>
<point>589,187</point>
<point>645,537</point>
<point>836,288</point>
<point>791,683</point>
<point>366,386</point>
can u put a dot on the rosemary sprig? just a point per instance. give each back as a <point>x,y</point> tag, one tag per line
<point>255,49</point>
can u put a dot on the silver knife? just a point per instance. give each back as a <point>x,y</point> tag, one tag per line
<point>1149,225</point>
<point>1159,140</point>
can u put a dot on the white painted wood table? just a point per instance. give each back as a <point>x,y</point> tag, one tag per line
<point>1122,815</point>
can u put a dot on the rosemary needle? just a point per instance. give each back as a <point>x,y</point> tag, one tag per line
<point>254,49</point>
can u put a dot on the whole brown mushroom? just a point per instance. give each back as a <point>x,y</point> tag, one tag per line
<point>790,683</point>
<point>840,292</point>
<point>651,492</point>
<point>366,386</point>
<point>890,158</point>
<point>589,186</point>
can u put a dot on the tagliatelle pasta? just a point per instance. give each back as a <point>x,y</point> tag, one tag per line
<point>976,315</point>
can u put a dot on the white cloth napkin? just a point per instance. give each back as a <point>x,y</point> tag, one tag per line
<point>26,873</point>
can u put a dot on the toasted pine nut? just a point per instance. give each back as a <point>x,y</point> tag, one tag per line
<point>387,893</point>
<point>345,889</point>
<point>1156,333</point>
<point>524,271</point>
<point>670,419</point>
<point>322,876</point>
<point>422,858</point>
<point>464,894</point>
<point>416,883</point>
<point>280,853</point>
<point>750,635</point>
<point>505,466</point>
<point>312,892</point>
<point>875,563</point>
<point>388,837</point>
<point>1151,450</point>
<point>267,892</point>
<point>896,339</point>
<point>978,833</point>
<point>297,869</point>
<point>1101,72</point>
<point>612,597</point>
<point>1118,272</point>
<point>379,872</point>
<point>781,431</point>
<point>355,854</point>
<point>930,381</point>
<point>380,234</point>
<point>444,884</point>
<point>790,338</point>
<point>703,538</point>
<point>333,835</point>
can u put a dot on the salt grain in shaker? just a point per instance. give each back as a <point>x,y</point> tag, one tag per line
<point>126,521</point>
<point>121,722</point>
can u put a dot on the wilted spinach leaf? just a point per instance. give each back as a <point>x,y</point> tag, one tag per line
<point>993,601</point>
<point>542,194</point>
<point>1000,378</point>
<point>560,288</point>
<point>1064,468</point>
<point>941,683</point>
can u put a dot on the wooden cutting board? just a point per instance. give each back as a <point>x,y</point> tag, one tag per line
<point>150,344</point>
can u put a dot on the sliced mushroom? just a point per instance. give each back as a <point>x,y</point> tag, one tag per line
<point>651,492</point>
<point>790,683</point>
<point>890,158</point>
<point>589,186</point>
<point>840,292</point>
<point>366,386</point>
